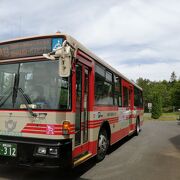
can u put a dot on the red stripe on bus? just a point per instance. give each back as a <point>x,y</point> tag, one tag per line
<point>89,146</point>
<point>78,149</point>
<point>95,123</point>
<point>104,119</point>
<point>92,121</point>
<point>40,128</point>
<point>93,126</point>
<point>55,129</point>
<point>116,136</point>
<point>45,125</point>
<point>44,128</point>
<point>112,122</point>
<point>40,132</point>
<point>98,125</point>
<point>44,132</point>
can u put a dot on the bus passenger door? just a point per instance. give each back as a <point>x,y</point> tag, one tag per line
<point>81,120</point>
<point>131,105</point>
<point>128,103</point>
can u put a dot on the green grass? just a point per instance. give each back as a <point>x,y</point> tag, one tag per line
<point>170,114</point>
<point>164,117</point>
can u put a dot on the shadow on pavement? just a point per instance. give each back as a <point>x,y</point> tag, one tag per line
<point>21,173</point>
<point>176,141</point>
<point>120,143</point>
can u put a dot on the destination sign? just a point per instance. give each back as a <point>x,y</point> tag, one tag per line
<point>26,48</point>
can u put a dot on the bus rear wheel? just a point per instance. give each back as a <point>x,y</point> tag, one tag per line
<point>137,127</point>
<point>102,146</point>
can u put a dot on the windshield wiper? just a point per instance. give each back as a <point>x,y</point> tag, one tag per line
<point>15,87</point>
<point>27,102</point>
<point>15,92</point>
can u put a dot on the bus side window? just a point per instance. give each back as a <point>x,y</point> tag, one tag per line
<point>138,98</point>
<point>103,86</point>
<point>117,91</point>
<point>141,99</point>
<point>125,97</point>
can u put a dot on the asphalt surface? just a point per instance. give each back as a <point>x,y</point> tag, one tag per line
<point>153,155</point>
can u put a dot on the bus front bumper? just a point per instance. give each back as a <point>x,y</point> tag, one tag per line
<point>37,152</point>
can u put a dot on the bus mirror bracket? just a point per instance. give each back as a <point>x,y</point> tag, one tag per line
<point>64,53</point>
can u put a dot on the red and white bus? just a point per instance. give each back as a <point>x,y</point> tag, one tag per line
<point>60,104</point>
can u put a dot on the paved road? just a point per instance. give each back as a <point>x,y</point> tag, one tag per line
<point>153,155</point>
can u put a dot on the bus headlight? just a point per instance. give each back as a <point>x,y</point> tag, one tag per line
<point>42,150</point>
<point>53,151</point>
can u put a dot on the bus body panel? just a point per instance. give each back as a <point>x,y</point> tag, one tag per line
<point>22,124</point>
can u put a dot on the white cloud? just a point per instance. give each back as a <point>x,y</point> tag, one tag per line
<point>135,22</point>
<point>130,34</point>
<point>159,71</point>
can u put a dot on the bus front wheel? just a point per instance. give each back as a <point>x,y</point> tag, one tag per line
<point>102,146</point>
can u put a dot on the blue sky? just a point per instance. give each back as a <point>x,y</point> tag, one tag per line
<point>140,38</point>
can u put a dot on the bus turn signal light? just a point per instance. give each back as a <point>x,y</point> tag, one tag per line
<point>66,128</point>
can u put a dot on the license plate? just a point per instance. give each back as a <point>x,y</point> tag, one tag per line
<point>7,149</point>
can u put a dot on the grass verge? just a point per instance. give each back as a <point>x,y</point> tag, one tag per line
<point>164,117</point>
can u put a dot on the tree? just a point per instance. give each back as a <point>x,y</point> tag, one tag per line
<point>145,84</point>
<point>161,88</point>
<point>173,77</point>
<point>168,92</point>
<point>176,94</point>
<point>156,106</point>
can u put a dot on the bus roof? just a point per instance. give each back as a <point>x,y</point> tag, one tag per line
<point>73,42</point>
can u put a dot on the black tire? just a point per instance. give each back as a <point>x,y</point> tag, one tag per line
<point>138,128</point>
<point>102,146</point>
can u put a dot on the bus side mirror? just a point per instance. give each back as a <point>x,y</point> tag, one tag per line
<point>64,61</point>
<point>64,53</point>
<point>64,67</point>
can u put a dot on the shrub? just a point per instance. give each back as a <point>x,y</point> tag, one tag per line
<point>156,106</point>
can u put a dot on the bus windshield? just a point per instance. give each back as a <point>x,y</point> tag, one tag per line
<point>40,83</point>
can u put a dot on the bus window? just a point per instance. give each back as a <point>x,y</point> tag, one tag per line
<point>117,91</point>
<point>39,81</point>
<point>125,97</point>
<point>138,98</point>
<point>103,86</point>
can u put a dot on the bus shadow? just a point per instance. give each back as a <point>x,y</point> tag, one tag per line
<point>176,141</point>
<point>21,173</point>
<point>117,145</point>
